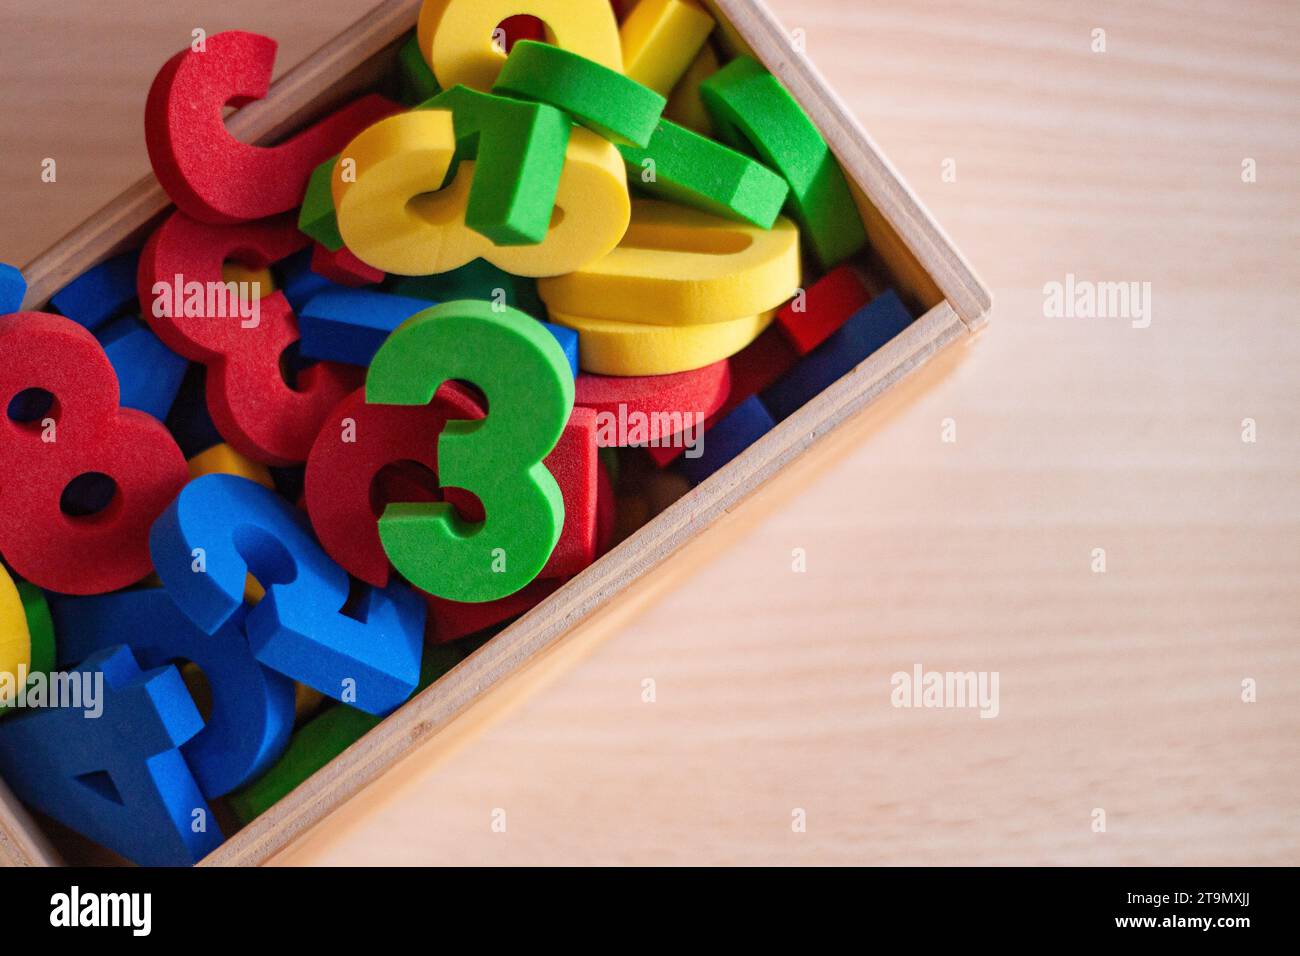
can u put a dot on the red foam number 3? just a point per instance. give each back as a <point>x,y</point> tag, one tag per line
<point>253,406</point>
<point>82,432</point>
<point>207,172</point>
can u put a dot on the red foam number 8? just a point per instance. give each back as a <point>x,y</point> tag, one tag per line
<point>82,432</point>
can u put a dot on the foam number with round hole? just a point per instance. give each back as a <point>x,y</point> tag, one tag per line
<point>101,292</point>
<point>398,217</point>
<point>252,707</point>
<point>519,152</point>
<point>689,169</point>
<point>299,629</point>
<point>457,36</point>
<point>120,780</point>
<point>208,173</point>
<point>84,432</point>
<point>661,39</point>
<point>610,347</point>
<point>323,738</point>
<point>752,109</point>
<point>13,288</point>
<point>603,100</point>
<point>685,107</point>
<point>682,267</point>
<point>525,377</point>
<point>668,404</point>
<point>253,406</point>
<point>355,446</point>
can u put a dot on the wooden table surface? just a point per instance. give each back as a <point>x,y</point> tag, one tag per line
<point>1119,690</point>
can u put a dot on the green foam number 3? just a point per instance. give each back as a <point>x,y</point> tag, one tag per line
<point>523,373</point>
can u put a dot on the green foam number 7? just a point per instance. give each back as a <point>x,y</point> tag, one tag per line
<point>523,373</point>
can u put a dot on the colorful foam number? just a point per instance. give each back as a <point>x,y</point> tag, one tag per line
<point>100,293</point>
<point>753,369</point>
<point>661,38</point>
<point>811,318</point>
<point>745,424</point>
<point>415,80</point>
<point>519,151</point>
<point>84,432</point>
<point>343,268</point>
<point>525,378</point>
<point>682,267</point>
<point>148,372</point>
<point>753,110</point>
<point>397,215</point>
<point>454,620</point>
<point>459,40</point>
<point>603,100</point>
<point>611,347</point>
<point>120,780</point>
<point>349,325</point>
<point>666,404</point>
<point>13,288</point>
<point>221,528</point>
<point>224,460</point>
<point>210,175</point>
<point>685,107</point>
<point>869,330</point>
<point>254,406</point>
<point>316,217</point>
<point>252,707</point>
<point>322,739</point>
<point>686,168</point>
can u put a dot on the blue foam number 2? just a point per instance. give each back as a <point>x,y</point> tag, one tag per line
<point>221,528</point>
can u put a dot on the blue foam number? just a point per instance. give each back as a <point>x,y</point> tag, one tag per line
<point>220,528</point>
<point>745,424</point>
<point>100,293</point>
<point>252,706</point>
<point>118,779</point>
<point>868,330</point>
<point>13,288</point>
<point>149,373</point>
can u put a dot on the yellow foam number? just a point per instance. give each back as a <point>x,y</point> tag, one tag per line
<point>680,266</point>
<point>629,348</point>
<point>224,460</point>
<point>685,107</point>
<point>395,214</point>
<point>15,640</point>
<point>660,40</point>
<point>458,42</point>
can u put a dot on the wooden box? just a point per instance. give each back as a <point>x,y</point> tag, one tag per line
<point>907,249</point>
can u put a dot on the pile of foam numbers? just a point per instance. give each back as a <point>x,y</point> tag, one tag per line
<point>368,395</point>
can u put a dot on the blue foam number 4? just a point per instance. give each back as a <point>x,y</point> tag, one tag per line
<point>221,528</point>
<point>252,706</point>
<point>118,777</point>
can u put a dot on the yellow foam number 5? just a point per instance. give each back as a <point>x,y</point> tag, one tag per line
<point>526,379</point>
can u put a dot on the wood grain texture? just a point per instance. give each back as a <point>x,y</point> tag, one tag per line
<point>1119,691</point>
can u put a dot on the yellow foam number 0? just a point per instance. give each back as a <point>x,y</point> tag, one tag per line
<point>456,36</point>
<point>395,214</point>
<point>525,376</point>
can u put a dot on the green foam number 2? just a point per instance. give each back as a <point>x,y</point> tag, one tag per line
<point>523,373</point>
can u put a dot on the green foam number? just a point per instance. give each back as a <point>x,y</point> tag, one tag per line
<point>528,384</point>
<point>518,150</point>
<point>317,217</point>
<point>604,100</point>
<point>693,170</point>
<point>753,110</point>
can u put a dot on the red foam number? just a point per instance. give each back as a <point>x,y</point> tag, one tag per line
<point>83,432</point>
<point>252,404</point>
<point>207,172</point>
<point>366,456</point>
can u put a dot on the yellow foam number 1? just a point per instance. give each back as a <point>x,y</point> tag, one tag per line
<point>523,373</point>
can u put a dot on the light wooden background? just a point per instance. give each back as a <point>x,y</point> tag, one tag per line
<point>1119,691</point>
